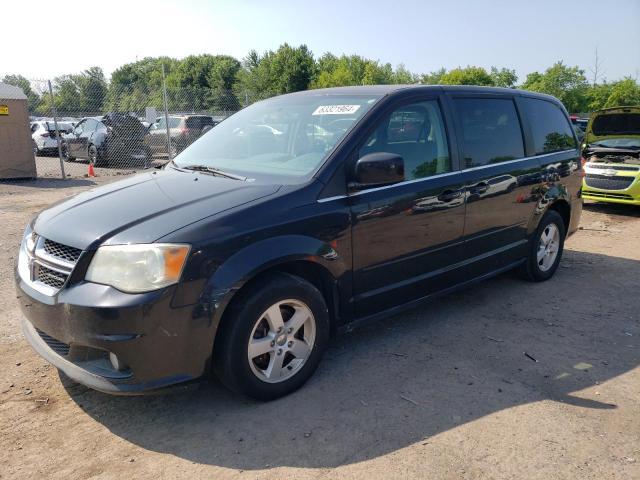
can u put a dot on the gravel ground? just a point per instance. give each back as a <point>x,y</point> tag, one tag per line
<point>445,391</point>
<point>48,166</point>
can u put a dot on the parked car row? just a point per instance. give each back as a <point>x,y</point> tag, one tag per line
<point>119,139</point>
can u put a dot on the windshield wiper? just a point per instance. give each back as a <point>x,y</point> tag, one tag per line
<point>214,171</point>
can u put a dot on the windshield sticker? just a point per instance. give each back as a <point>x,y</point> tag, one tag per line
<point>336,109</point>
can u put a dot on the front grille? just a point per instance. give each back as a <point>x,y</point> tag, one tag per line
<point>608,166</point>
<point>64,252</point>
<point>50,277</point>
<point>606,182</point>
<point>57,346</point>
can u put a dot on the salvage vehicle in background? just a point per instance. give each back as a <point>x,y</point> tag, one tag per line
<point>113,139</point>
<point>612,153</point>
<point>43,134</point>
<point>243,254</point>
<point>183,131</point>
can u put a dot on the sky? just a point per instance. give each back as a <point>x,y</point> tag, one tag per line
<point>42,42</point>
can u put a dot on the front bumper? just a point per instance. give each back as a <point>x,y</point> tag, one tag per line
<point>629,195</point>
<point>156,345</point>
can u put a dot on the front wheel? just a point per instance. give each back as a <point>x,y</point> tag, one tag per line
<point>272,338</point>
<point>545,250</point>
<point>94,156</point>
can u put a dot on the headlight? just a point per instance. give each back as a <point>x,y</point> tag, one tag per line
<point>138,268</point>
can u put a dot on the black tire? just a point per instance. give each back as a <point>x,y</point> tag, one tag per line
<point>532,269</point>
<point>65,153</point>
<point>93,154</point>
<point>230,353</point>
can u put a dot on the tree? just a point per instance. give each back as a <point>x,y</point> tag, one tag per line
<point>568,84</point>
<point>625,92</point>
<point>93,90</point>
<point>504,77</point>
<point>467,76</point>
<point>433,78</point>
<point>288,69</point>
<point>33,99</point>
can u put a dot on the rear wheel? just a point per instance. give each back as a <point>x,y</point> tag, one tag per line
<point>65,153</point>
<point>545,250</point>
<point>273,337</point>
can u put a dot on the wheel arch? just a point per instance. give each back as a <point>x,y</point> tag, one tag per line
<point>311,259</point>
<point>555,199</point>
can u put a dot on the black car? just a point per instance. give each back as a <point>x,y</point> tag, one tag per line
<point>114,139</point>
<point>289,221</point>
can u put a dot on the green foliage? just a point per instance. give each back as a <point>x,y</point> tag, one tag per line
<point>467,76</point>
<point>504,77</point>
<point>625,92</point>
<point>568,84</point>
<point>21,82</point>
<point>220,82</point>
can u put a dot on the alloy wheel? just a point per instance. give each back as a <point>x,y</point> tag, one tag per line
<point>281,341</point>
<point>548,247</point>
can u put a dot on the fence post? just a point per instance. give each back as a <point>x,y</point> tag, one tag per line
<point>166,114</point>
<point>55,123</point>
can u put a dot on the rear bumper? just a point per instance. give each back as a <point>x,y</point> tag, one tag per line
<point>155,344</point>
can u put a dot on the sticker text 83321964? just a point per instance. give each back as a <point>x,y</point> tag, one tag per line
<point>336,109</point>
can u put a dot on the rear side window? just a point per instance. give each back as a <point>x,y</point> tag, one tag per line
<point>491,130</point>
<point>199,122</point>
<point>549,126</point>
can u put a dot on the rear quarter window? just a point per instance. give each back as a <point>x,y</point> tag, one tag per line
<point>549,126</point>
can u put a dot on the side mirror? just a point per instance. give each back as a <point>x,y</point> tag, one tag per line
<point>378,169</point>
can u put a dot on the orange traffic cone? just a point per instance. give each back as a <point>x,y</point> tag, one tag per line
<point>92,173</point>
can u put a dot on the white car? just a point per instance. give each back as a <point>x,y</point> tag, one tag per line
<point>43,133</point>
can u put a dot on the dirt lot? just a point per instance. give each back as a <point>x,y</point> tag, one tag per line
<point>444,391</point>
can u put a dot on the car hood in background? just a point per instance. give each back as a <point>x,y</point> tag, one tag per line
<point>143,208</point>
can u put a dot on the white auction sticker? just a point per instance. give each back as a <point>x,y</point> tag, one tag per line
<point>335,109</point>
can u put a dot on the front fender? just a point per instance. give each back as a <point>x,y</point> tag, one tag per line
<point>256,258</point>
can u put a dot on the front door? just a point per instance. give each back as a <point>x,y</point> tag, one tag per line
<point>406,235</point>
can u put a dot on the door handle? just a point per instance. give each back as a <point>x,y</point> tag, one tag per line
<point>449,195</point>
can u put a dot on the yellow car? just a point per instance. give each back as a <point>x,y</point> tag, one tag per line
<point>612,153</point>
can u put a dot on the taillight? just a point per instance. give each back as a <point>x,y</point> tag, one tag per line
<point>184,131</point>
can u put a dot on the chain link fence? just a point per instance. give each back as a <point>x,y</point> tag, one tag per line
<point>107,131</point>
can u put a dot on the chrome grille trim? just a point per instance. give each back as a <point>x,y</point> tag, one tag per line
<point>48,267</point>
<point>62,252</point>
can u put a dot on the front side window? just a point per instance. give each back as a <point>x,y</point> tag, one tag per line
<point>90,125</point>
<point>491,130</point>
<point>79,128</point>
<point>284,138</point>
<point>416,133</point>
<point>549,126</point>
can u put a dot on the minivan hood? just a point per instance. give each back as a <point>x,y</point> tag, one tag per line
<point>143,208</point>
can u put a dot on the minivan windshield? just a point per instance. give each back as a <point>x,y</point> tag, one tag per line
<point>287,137</point>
